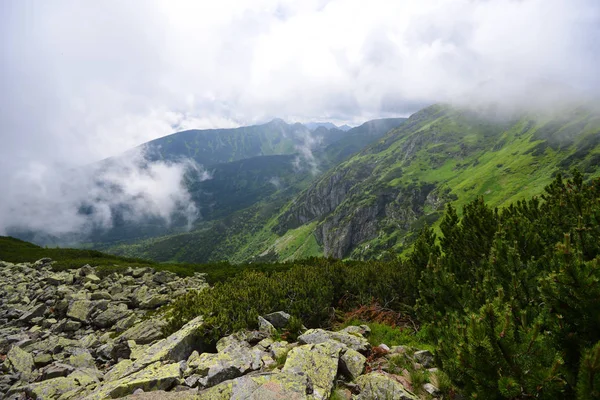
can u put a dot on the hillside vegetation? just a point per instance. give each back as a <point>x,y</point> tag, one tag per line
<point>376,200</point>
<point>374,203</point>
<point>509,298</point>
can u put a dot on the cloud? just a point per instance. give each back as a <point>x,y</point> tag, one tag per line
<point>82,82</point>
<point>64,201</point>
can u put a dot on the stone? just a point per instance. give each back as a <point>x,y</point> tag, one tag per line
<point>145,332</point>
<point>176,347</point>
<point>71,326</point>
<point>111,315</point>
<point>425,358</point>
<point>42,359</point>
<point>101,296</point>
<point>228,364</point>
<point>278,319</point>
<point>91,278</point>
<point>79,310</point>
<point>362,330</point>
<point>163,277</point>
<point>266,327</point>
<point>52,388</point>
<point>352,364</point>
<point>355,342</point>
<point>376,385</point>
<point>118,370</point>
<point>87,269</point>
<point>280,349</point>
<point>155,376</point>
<point>56,370</point>
<point>318,362</point>
<point>154,301</point>
<point>21,362</point>
<point>35,312</point>
<point>60,278</point>
<point>431,389</point>
<point>267,386</point>
<point>83,359</point>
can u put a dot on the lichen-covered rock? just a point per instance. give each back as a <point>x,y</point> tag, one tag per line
<point>352,363</point>
<point>362,330</point>
<point>230,363</point>
<point>35,312</point>
<point>319,363</point>
<point>145,332</point>
<point>266,327</point>
<point>425,358</point>
<point>353,341</point>
<point>280,349</point>
<point>71,387</point>
<point>111,316</point>
<point>176,347</point>
<point>21,362</point>
<point>278,319</point>
<point>265,386</point>
<point>154,377</point>
<point>376,385</point>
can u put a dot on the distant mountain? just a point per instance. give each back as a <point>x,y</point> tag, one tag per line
<point>245,166</point>
<point>248,192</point>
<point>314,125</point>
<point>345,127</point>
<point>377,199</point>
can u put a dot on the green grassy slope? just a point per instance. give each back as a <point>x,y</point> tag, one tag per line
<point>378,198</point>
<point>440,155</point>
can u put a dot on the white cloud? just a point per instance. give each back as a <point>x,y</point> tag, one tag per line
<point>84,81</point>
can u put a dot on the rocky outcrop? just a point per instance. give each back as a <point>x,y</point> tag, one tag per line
<point>63,333</point>
<point>71,348</point>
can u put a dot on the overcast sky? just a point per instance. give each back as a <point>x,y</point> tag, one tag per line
<point>84,80</point>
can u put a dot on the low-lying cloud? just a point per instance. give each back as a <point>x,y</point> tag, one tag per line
<point>61,202</point>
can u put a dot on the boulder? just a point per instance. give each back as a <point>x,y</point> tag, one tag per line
<point>70,387</point>
<point>35,312</point>
<point>352,364</point>
<point>266,327</point>
<point>175,348</point>
<point>278,319</point>
<point>318,362</point>
<point>267,386</point>
<point>79,310</point>
<point>425,358</point>
<point>361,330</point>
<point>21,362</point>
<point>162,277</point>
<point>91,278</point>
<point>101,296</point>
<point>231,363</point>
<point>155,376</point>
<point>353,341</point>
<point>111,315</point>
<point>145,332</point>
<point>376,385</point>
<point>42,359</point>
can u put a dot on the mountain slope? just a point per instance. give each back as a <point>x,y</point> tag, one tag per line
<point>374,200</point>
<point>266,181</point>
<point>378,198</point>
